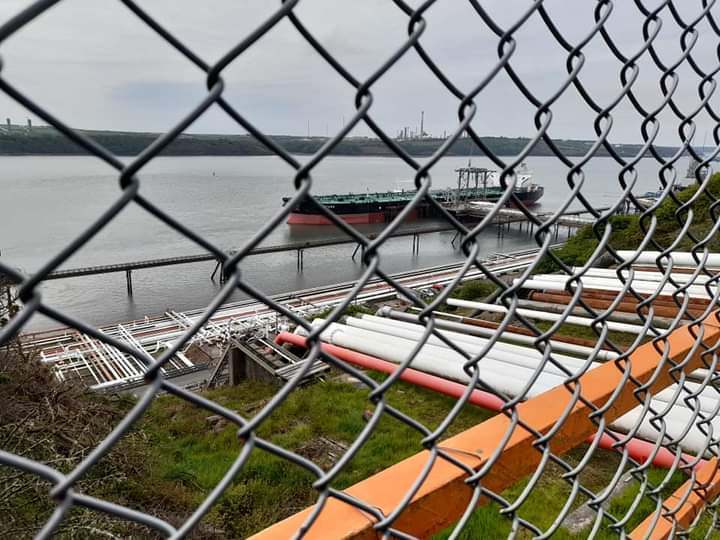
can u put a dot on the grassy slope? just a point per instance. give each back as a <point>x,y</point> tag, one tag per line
<point>627,232</point>
<point>189,457</point>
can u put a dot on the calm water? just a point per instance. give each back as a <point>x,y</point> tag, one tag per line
<point>47,201</point>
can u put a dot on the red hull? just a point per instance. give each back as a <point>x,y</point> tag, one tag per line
<point>353,219</point>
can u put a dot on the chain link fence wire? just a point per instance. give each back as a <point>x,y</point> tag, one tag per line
<point>688,211</point>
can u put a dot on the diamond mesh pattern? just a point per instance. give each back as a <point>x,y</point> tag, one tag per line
<point>130,192</point>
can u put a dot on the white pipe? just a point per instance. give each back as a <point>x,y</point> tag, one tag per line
<point>647,287</point>
<point>503,360</point>
<point>707,399</point>
<point>109,384</point>
<point>458,332</point>
<point>680,258</point>
<point>523,359</point>
<point>637,284</point>
<point>560,286</point>
<point>508,335</point>
<point>381,324</point>
<point>513,354</point>
<point>544,316</point>
<point>643,275</point>
<point>511,380</point>
<point>676,421</point>
<point>435,360</point>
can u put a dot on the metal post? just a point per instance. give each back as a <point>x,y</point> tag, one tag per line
<point>128,278</point>
<point>217,267</point>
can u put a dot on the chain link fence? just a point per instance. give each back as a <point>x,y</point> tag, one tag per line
<point>664,368</point>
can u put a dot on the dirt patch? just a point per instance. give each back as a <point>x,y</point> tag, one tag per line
<point>322,451</point>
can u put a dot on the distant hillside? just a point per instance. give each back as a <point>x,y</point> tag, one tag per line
<point>20,140</point>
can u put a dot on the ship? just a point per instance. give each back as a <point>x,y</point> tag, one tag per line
<point>474,184</point>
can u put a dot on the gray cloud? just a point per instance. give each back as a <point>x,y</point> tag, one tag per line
<point>95,65</point>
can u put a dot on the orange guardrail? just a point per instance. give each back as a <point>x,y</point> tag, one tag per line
<point>444,495</point>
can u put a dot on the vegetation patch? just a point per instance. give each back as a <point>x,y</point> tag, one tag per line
<point>352,310</point>
<point>627,231</point>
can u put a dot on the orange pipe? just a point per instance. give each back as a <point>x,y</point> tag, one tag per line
<point>661,309</point>
<point>638,449</point>
<point>600,293</point>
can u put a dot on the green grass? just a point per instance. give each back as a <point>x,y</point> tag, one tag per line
<point>627,231</point>
<point>477,289</point>
<point>351,311</point>
<point>571,330</point>
<point>189,457</point>
<point>550,495</point>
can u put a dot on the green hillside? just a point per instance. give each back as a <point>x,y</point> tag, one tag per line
<point>627,231</point>
<point>43,140</point>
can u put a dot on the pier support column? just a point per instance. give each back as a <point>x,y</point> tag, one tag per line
<point>128,278</point>
<point>218,265</point>
<point>300,260</point>
<point>455,238</point>
<point>416,244</point>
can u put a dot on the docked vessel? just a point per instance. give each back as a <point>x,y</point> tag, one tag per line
<point>474,184</point>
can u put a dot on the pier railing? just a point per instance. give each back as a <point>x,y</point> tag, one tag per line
<point>642,392</point>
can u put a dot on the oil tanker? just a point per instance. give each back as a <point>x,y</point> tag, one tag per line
<point>474,184</point>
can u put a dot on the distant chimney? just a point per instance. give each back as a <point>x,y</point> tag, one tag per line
<point>29,124</point>
<point>8,123</point>
<point>422,124</point>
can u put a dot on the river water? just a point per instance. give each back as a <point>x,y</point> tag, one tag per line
<point>48,200</point>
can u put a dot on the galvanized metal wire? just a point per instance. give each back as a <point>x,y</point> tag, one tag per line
<point>64,491</point>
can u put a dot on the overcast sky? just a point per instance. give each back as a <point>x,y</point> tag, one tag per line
<point>95,65</point>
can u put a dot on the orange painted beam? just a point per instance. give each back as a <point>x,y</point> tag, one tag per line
<point>687,502</point>
<point>444,496</point>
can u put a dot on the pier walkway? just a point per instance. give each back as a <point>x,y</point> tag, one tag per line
<point>505,217</point>
<point>467,211</point>
<point>298,247</point>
